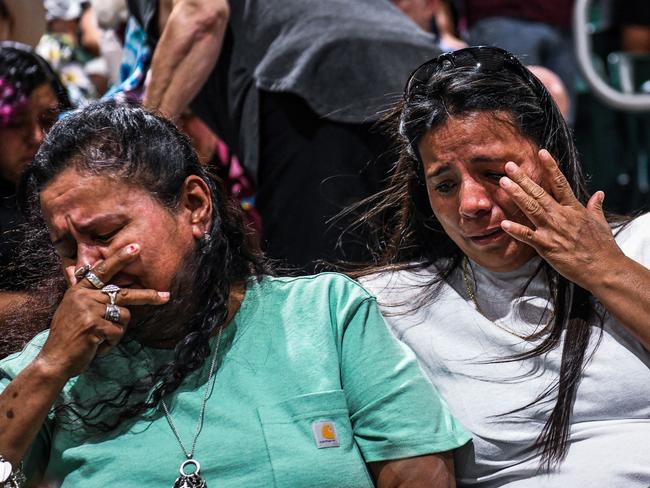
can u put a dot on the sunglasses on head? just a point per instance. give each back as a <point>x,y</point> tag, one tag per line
<point>487,59</point>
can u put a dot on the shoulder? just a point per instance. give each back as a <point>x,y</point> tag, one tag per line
<point>398,282</point>
<point>321,298</point>
<point>633,238</point>
<point>15,363</point>
<point>322,285</point>
<point>634,228</point>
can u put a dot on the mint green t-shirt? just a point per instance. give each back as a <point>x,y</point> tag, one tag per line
<point>301,354</point>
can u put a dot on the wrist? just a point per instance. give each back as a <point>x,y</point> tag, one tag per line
<point>48,373</point>
<point>11,476</point>
<point>605,274</point>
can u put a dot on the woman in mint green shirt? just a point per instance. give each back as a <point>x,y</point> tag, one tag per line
<point>201,368</point>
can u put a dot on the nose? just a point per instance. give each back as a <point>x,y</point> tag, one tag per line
<point>474,198</point>
<point>38,135</point>
<point>34,135</point>
<point>88,254</point>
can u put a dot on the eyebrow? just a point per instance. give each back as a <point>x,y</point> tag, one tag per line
<point>476,160</point>
<point>441,170</point>
<point>487,159</point>
<point>89,225</point>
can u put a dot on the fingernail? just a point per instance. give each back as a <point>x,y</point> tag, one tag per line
<point>505,181</point>
<point>132,248</point>
<point>163,294</point>
<point>505,225</point>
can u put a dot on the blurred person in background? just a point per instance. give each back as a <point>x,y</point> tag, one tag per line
<point>111,17</point>
<point>293,87</point>
<point>538,32</point>
<point>71,45</point>
<point>31,98</point>
<point>437,16</point>
<point>633,17</point>
<point>22,21</point>
<point>434,16</point>
<point>6,22</point>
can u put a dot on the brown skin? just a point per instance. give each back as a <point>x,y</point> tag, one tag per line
<point>433,471</point>
<point>86,229</point>
<point>18,145</point>
<point>636,39</point>
<point>203,139</point>
<point>189,47</point>
<point>130,239</point>
<point>483,175</point>
<point>554,85</point>
<point>78,330</point>
<point>5,29</point>
<point>90,35</point>
<point>78,333</point>
<point>20,140</point>
<point>578,242</point>
<point>421,12</point>
<point>463,162</point>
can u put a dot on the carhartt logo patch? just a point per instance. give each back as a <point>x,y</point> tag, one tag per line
<point>325,434</point>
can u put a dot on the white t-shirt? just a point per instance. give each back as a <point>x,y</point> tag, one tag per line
<point>457,346</point>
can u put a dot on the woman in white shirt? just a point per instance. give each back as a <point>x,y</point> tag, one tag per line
<point>527,305</point>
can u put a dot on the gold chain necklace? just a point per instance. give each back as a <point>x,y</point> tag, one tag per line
<point>472,296</point>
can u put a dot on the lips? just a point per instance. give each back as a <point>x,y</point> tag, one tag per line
<point>487,237</point>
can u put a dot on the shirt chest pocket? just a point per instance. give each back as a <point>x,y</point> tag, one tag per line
<point>310,442</point>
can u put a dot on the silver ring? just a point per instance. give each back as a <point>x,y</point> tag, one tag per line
<point>112,313</point>
<point>81,272</point>
<point>94,280</point>
<point>111,291</point>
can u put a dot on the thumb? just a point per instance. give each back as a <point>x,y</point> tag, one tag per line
<point>595,204</point>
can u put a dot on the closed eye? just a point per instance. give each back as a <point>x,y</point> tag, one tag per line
<point>445,187</point>
<point>106,238</point>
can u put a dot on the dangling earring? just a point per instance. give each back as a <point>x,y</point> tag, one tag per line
<point>205,242</point>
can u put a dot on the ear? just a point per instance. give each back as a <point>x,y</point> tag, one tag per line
<point>196,203</point>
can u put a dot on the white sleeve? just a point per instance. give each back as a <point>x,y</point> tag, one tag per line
<point>634,239</point>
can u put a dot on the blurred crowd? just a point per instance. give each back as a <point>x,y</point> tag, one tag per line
<point>273,102</point>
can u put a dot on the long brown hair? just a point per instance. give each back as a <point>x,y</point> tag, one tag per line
<point>403,233</point>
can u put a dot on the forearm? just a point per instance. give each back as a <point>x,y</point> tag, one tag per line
<point>446,29</point>
<point>623,287</point>
<point>186,53</point>
<point>444,20</point>
<point>90,35</point>
<point>24,405</point>
<point>430,471</point>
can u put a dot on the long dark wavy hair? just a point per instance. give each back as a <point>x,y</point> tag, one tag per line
<point>404,233</point>
<point>21,72</point>
<point>131,144</point>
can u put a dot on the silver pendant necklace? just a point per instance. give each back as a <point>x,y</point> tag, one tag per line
<point>192,478</point>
